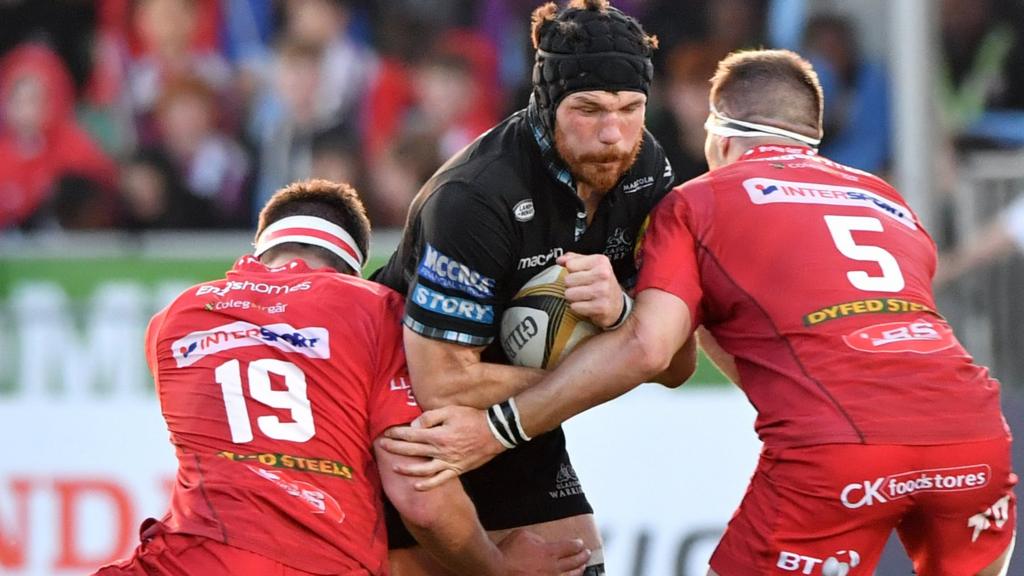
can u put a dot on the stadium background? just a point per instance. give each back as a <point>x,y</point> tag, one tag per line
<point>149,131</point>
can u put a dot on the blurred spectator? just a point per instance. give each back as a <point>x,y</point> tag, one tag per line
<point>983,55</point>
<point>858,126</point>
<point>729,24</point>
<point>39,139</point>
<point>152,196</point>
<point>78,203</point>
<point>335,157</point>
<point>999,238</point>
<point>284,119</point>
<point>451,92</point>
<point>680,127</point>
<point>211,163</point>
<point>398,175</point>
<point>167,31</point>
<point>346,65</point>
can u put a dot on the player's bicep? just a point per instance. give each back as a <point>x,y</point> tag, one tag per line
<point>438,368</point>
<point>667,254</point>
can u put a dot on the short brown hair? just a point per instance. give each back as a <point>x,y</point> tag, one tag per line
<point>773,87</point>
<point>336,202</point>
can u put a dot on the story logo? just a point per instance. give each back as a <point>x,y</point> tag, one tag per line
<point>885,489</point>
<point>451,306</point>
<point>311,342</point>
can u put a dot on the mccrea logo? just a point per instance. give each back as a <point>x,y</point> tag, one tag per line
<point>310,342</point>
<point>770,191</point>
<point>441,269</point>
<point>882,490</point>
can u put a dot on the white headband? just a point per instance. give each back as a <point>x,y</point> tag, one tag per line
<point>315,231</point>
<point>721,125</point>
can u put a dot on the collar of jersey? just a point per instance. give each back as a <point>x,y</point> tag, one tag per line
<point>250,263</point>
<point>552,162</point>
<point>776,151</point>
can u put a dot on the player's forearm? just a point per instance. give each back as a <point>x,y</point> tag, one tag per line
<point>453,536</point>
<point>478,384</point>
<point>609,364</point>
<point>585,378</point>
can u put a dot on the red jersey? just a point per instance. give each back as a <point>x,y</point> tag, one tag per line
<point>817,279</point>
<point>274,383</point>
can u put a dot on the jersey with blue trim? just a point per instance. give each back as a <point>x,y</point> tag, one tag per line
<point>817,279</point>
<point>495,215</point>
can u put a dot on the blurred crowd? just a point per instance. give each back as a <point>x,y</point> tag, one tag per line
<point>176,114</point>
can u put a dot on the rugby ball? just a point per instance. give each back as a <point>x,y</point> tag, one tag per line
<point>539,328</point>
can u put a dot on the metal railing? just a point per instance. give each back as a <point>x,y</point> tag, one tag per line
<point>986,306</point>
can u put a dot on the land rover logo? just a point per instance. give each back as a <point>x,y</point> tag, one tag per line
<point>523,210</point>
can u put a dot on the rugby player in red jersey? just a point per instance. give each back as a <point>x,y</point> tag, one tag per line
<point>275,383</point>
<point>810,283</point>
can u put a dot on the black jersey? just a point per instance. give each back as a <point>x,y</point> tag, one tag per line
<point>492,217</point>
<point>498,213</point>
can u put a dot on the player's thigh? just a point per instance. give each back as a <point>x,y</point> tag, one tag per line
<point>794,518</point>
<point>964,514</point>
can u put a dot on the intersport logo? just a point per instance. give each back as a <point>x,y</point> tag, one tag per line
<point>888,488</point>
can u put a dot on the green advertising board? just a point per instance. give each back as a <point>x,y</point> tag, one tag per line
<point>72,320</point>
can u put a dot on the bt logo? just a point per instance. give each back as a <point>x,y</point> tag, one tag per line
<point>839,564</point>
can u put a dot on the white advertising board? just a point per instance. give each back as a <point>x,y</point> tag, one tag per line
<point>663,469</point>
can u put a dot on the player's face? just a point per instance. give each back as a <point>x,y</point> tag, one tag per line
<point>598,135</point>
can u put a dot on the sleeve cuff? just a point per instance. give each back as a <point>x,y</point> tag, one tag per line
<point>446,335</point>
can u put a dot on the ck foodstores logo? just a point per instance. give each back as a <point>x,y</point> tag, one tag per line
<point>838,564</point>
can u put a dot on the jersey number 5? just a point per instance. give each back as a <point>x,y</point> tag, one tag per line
<point>841,228</point>
<point>293,399</point>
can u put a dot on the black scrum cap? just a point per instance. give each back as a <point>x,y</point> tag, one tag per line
<point>588,46</point>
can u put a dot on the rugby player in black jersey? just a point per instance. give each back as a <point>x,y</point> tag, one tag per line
<point>569,179</point>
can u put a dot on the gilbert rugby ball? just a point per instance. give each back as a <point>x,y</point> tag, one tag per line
<point>539,328</point>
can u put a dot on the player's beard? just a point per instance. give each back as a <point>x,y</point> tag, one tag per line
<point>598,170</point>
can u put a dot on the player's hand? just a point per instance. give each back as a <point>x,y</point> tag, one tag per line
<point>591,287</point>
<point>456,439</point>
<point>528,554</point>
